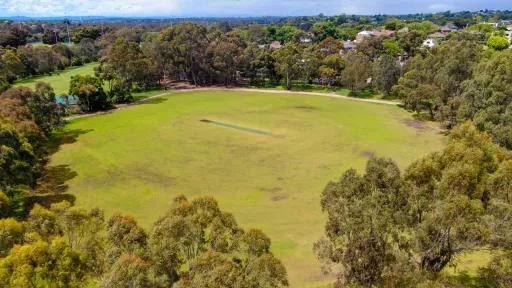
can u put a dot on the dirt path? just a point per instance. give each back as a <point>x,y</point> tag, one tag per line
<point>332,95</point>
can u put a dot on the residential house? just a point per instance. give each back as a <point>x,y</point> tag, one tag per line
<point>404,30</point>
<point>437,36</point>
<point>374,33</point>
<point>305,40</point>
<point>275,45</point>
<point>429,42</point>
<point>349,45</point>
<point>449,28</point>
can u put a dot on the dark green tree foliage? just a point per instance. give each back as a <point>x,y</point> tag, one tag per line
<point>433,82</point>
<point>127,271</point>
<point>450,199</point>
<point>42,264</point>
<point>226,53</point>
<point>357,71</point>
<point>487,97</point>
<point>184,48</point>
<point>126,67</point>
<point>199,238</point>
<point>363,227</point>
<point>17,159</point>
<point>288,63</point>
<point>498,42</point>
<point>51,37</point>
<point>86,32</point>
<point>125,236</point>
<point>384,229</point>
<point>386,72</point>
<point>90,93</point>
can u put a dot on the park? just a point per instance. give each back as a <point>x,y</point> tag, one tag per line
<point>137,160</point>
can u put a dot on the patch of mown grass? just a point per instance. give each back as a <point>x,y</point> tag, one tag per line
<point>138,159</point>
<point>59,80</point>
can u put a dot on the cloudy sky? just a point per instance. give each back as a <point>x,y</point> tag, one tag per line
<point>237,7</point>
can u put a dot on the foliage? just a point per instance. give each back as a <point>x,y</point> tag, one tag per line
<point>487,97</point>
<point>382,226</point>
<point>357,71</point>
<point>89,91</point>
<point>386,72</point>
<point>498,42</point>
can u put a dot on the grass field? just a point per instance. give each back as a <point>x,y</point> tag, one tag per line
<point>59,80</point>
<point>265,157</point>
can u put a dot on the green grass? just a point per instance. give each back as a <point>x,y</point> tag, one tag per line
<point>59,80</point>
<point>138,159</point>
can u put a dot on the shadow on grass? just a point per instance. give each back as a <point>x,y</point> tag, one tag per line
<point>52,185</point>
<point>152,101</point>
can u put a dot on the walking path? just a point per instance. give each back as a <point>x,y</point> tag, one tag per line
<point>332,95</point>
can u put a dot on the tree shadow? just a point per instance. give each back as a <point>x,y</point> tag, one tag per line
<point>157,100</point>
<point>52,187</point>
<point>48,199</point>
<point>61,137</point>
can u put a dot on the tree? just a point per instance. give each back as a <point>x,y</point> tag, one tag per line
<point>498,42</point>
<point>411,41</point>
<point>363,229</point>
<point>357,71</point>
<point>487,98</point>
<point>226,54</point>
<point>448,197</point>
<point>288,63</point>
<point>89,91</point>
<point>50,37</point>
<point>331,69</point>
<point>180,236</point>
<point>124,236</point>
<point>434,82</point>
<point>126,66</point>
<point>386,72</point>
<point>217,253</point>
<point>86,32</point>
<point>127,271</point>
<point>41,264</point>
<point>11,233</point>
<point>18,165</point>
<point>184,49</point>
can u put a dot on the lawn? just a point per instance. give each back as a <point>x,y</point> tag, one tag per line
<point>265,157</point>
<point>59,80</point>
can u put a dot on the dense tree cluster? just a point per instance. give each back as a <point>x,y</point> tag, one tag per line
<point>27,118</point>
<point>389,229</point>
<point>194,245</point>
<point>458,81</point>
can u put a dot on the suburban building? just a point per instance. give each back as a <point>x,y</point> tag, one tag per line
<point>275,45</point>
<point>374,33</point>
<point>429,42</point>
<point>449,28</point>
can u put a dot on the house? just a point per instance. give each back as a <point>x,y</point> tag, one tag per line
<point>449,28</point>
<point>305,40</point>
<point>508,33</point>
<point>429,42</point>
<point>349,45</point>
<point>275,45</point>
<point>493,24</point>
<point>363,35</point>
<point>404,30</point>
<point>374,33</point>
<point>437,35</point>
<point>262,46</point>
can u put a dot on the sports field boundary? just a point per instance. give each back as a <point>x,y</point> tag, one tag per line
<point>270,91</point>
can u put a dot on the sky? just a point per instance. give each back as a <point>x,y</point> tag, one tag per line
<point>221,8</point>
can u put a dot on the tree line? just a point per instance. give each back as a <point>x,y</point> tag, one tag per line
<point>388,228</point>
<point>194,244</point>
